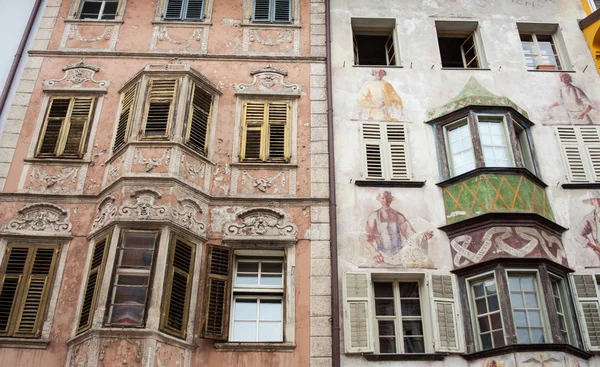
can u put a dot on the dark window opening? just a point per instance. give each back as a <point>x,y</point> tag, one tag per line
<point>458,52</point>
<point>99,9</point>
<point>374,49</point>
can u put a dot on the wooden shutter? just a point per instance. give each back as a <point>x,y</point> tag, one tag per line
<point>390,51</point>
<point>178,284</point>
<point>199,120</point>
<point>588,309</point>
<point>93,284</point>
<point>357,313</point>
<point>372,150</point>
<point>173,9</point>
<point>356,51</point>
<point>76,137</point>
<point>218,293</point>
<point>254,114</point>
<point>160,106</point>
<point>396,138</point>
<point>261,11</point>
<point>444,312</point>
<point>573,153</point>
<point>125,116</point>
<point>194,10</point>
<point>11,280</point>
<point>55,120</point>
<point>278,119</point>
<point>283,11</point>
<point>590,136</point>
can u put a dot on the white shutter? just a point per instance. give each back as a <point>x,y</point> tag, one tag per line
<point>372,150</point>
<point>571,147</point>
<point>397,164</point>
<point>357,313</point>
<point>588,309</point>
<point>444,313</point>
<point>591,141</point>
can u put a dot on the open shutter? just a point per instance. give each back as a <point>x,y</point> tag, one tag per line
<point>390,51</point>
<point>93,284</point>
<point>36,293</point>
<point>591,141</point>
<point>588,309</point>
<point>572,149</point>
<point>396,135</point>
<point>357,313</point>
<point>469,52</point>
<point>194,10</point>
<point>178,283</point>
<point>10,283</point>
<point>173,9</point>
<point>283,11</point>
<point>125,115</point>
<point>356,53</point>
<point>444,311</point>
<point>252,135</point>
<point>218,293</point>
<point>57,114</point>
<point>372,150</point>
<point>261,11</point>
<point>159,111</point>
<point>199,119</point>
<point>79,121</point>
<point>278,115</point>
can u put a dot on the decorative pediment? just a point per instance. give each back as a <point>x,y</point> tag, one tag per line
<point>106,212</point>
<point>76,75</point>
<point>144,206</point>
<point>260,223</point>
<point>269,80</point>
<point>188,215</point>
<point>41,217</point>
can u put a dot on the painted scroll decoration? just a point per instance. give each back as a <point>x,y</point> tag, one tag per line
<point>269,79</point>
<point>261,222</point>
<point>187,215</point>
<point>144,206</point>
<point>41,217</point>
<point>106,212</point>
<point>77,74</point>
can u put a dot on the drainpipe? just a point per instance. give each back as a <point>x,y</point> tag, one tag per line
<point>19,54</point>
<point>335,299</point>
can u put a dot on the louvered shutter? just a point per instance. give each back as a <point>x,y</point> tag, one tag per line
<point>159,112</point>
<point>588,309</point>
<point>93,284</point>
<point>397,164</point>
<point>178,283</point>
<point>590,135</point>
<point>81,114</point>
<point>218,293</point>
<point>372,150</point>
<point>199,119</point>
<point>278,130</point>
<point>283,11</point>
<point>173,9</point>
<point>57,115</point>
<point>444,312</point>
<point>357,313</point>
<point>125,116</point>
<point>254,118</point>
<point>261,11</point>
<point>573,153</point>
<point>194,10</point>
<point>10,283</point>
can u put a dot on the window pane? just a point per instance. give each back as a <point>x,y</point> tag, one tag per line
<point>484,325</point>
<point>520,318</point>
<point>531,300</point>
<point>481,306</point>
<point>486,341</point>
<point>244,331</point>
<point>493,303</point>
<point>517,300</point>
<point>478,289</point>
<point>526,309</point>
<point>127,314</point>
<point>387,345</point>
<point>414,345</point>
<point>384,290</point>
<point>496,321</point>
<point>498,338</point>
<point>110,10</point>
<point>247,267</point>
<point>90,10</point>
<point>270,332</point>
<point>130,295</point>
<point>412,328</point>
<point>493,143</point>
<point>270,309</point>
<point>271,280</point>
<point>136,258</point>
<point>523,336</point>
<point>386,328</point>
<point>245,309</point>
<point>489,320</point>
<point>461,149</point>
<point>384,307</point>
<point>271,267</point>
<point>140,240</point>
<point>410,307</point>
<point>409,290</point>
<point>537,335</point>
<point>534,318</point>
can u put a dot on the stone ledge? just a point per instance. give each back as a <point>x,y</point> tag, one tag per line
<point>254,347</point>
<point>23,343</point>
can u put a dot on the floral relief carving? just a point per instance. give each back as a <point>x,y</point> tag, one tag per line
<point>123,353</point>
<point>144,206</point>
<point>261,222</point>
<point>187,214</point>
<point>41,217</point>
<point>282,37</point>
<point>106,212</point>
<point>193,170</point>
<point>269,79</point>
<point>77,74</point>
<point>66,176</point>
<point>161,34</point>
<point>265,182</point>
<point>151,163</point>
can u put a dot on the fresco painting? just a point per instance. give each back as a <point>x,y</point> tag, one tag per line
<point>586,233</point>
<point>573,101</point>
<point>378,99</point>
<point>497,361</point>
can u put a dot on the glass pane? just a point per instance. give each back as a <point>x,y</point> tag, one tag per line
<point>516,300</point>
<point>537,335</point>
<point>414,345</point>
<point>270,309</point>
<point>139,240</point>
<point>244,331</point>
<point>478,289</point>
<point>490,287</point>
<point>384,290</point>
<point>535,318</point>
<point>271,279</point>
<point>90,10</point>
<point>409,290</point>
<point>245,309</point>
<point>514,283</point>
<point>527,283</point>
<point>386,328</point>
<point>484,324</point>
<point>493,303</point>
<point>520,318</point>
<point>136,258</point>
<point>130,295</point>
<point>486,341</point>
<point>481,306</point>
<point>110,10</point>
<point>128,314</point>
<point>498,337</point>
<point>496,321</point>
<point>132,279</point>
<point>270,332</point>
<point>384,307</point>
<point>412,327</point>
<point>271,267</point>
<point>410,307</point>
<point>246,279</point>
<point>531,300</point>
<point>523,336</point>
<point>387,345</point>
<point>247,267</point>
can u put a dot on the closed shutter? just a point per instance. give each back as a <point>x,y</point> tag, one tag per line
<point>79,120</point>
<point>178,283</point>
<point>57,115</point>
<point>283,11</point>
<point>590,135</point>
<point>357,313</point>
<point>173,9</point>
<point>261,11</point>
<point>384,151</point>
<point>254,118</point>
<point>580,147</point>
<point>444,311</point>
<point>194,10</point>
<point>278,119</point>
<point>125,116</point>
<point>396,142</point>
<point>218,293</point>
<point>588,309</point>
<point>372,150</point>
<point>93,284</point>
<point>11,281</point>
<point>199,119</point>
<point>159,112</point>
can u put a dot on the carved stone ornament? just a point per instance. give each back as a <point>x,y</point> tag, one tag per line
<point>41,217</point>
<point>262,184</point>
<point>261,222</point>
<point>188,213</point>
<point>106,212</point>
<point>67,175</point>
<point>144,207</point>
<point>269,79</point>
<point>151,163</point>
<point>77,74</point>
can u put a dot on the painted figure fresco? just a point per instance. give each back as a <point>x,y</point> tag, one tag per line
<point>574,100</point>
<point>587,233</point>
<point>378,99</point>
<point>492,363</point>
<point>391,239</point>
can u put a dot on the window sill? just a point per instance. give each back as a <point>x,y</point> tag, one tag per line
<point>406,357</point>
<point>577,186</point>
<point>57,161</point>
<point>183,23</point>
<point>254,347</point>
<point>94,21</point>
<point>270,25</point>
<point>379,66</point>
<point>473,69</point>
<point>111,332</point>
<point>263,165</point>
<point>519,348</point>
<point>550,71</point>
<point>23,343</point>
<point>382,183</point>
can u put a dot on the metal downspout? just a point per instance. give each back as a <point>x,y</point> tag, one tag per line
<point>335,299</point>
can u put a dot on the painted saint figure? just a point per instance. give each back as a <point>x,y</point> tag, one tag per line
<point>587,232</point>
<point>574,100</point>
<point>378,99</point>
<point>388,232</point>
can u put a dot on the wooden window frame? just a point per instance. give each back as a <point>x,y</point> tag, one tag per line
<point>537,52</point>
<point>182,15</point>
<point>264,128</point>
<point>100,13</point>
<point>190,117</point>
<point>130,111</point>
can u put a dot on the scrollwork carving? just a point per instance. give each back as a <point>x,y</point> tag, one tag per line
<point>187,214</point>
<point>269,79</point>
<point>151,163</point>
<point>77,74</point>
<point>106,212</point>
<point>144,206</point>
<point>261,222</point>
<point>53,182</point>
<point>282,37</point>
<point>263,183</point>
<point>41,217</point>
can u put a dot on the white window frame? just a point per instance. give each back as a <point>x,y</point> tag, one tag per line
<point>387,167</point>
<point>447,128</point>
<point>592,5</point>
<point>545,29</point>
<point>466,29</point>
<point>377,27</point>
<point>101,12</point>
<point>507,142</point>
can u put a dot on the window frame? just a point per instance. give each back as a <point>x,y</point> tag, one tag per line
<point>383,27</point>
<point>100,13</point>
<point>545,29</point>
<point>272,20</point>
<point>466,30</point>
<point>563,297</point>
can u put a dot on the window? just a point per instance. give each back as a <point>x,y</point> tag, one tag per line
<point>272,11</point>
<point>184,10</point>
<point>543,47</point>
<point>459,44</point>
<point>98,9</point>
<point>460,148</point>
<point>93,284</point>
<point>384,147</point>
<point>66,127</point>
<point>374,42</point>
<point>131,280</point>
<point>159,108</point>
<point>559,295</point>
<point>399,313</point>
<point>526,308</point>
<point>26,279</point>
<point>587,287</point>
<point>580,146</point>
<point>486,307</point>
<point>265,131</point>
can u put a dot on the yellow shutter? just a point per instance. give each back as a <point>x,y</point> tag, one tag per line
<point>215,324</point>
<point>53,126</point>
<point>199,120</point>
<point>159,107</point>
<point>78,124</point>
<point>279,125</point>
<point>254,115</point>
<point>93,284</point>
<point>125,116</point>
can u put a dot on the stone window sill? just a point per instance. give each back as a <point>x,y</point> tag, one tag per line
<point>183,23</point>
<point>24,343</point>
<point>255,347</point>
<point>378,66</point>
<point>57,161</point>
<point>406,357</point>
<point>118,20</point>
<point>550,71</point>
<point>263,165</point>
<point>269,25</point>
<point>469,69</point>
<point>382,183</point>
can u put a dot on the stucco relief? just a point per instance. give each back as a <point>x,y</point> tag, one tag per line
<point>107,211</point>
<point>52,179</point>
<point>90,36</point>
<point>271,41</point>
<point>378,100</point>
<point>169,356</point>
<point>143,164</point>
<point>221,180</point>
<point>78,75</point>
<point>144,205</point>
<point>170,39</point>
<point>269,79</point>
<point>120,351</point>
<point>41,217</point>
<point>572,105</point>
<point>189,215</point>
<point>273,183</point>
<point>83,354</point>
<point>261,222</point>
<point>114,169</point>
